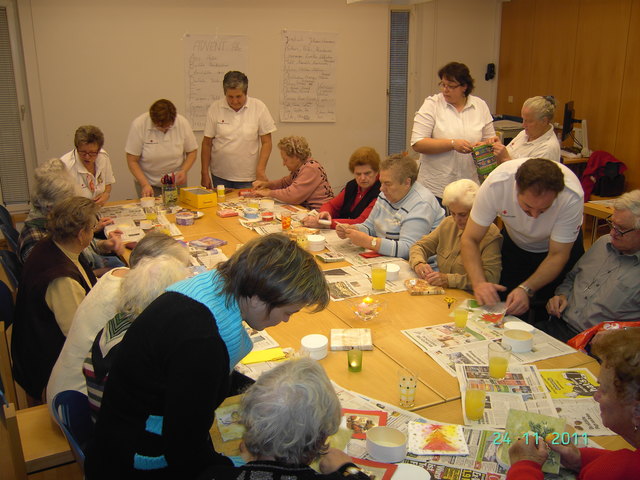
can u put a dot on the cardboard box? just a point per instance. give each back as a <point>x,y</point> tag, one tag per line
<point>198,197</point>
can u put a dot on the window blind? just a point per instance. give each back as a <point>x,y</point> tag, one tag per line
<point>398,78</point>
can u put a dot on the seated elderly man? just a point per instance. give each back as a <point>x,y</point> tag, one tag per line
<point>99,306</point>
<point>276,446</point>
<point>404,212</point>
<point>605,283</point>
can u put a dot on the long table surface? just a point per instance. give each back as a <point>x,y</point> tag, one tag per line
<point>438,393</point>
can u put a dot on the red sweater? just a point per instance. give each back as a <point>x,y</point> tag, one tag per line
<point>334,205</point>
<point>597,464</point>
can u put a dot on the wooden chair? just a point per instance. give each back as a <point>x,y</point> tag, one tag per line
<point>34,442</point>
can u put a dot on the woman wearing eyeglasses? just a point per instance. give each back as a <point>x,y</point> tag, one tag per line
<point>446,128</point>
<point>90,165</point>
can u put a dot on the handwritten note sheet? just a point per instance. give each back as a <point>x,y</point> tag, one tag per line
<point>206,59</point>
<point>308,77</point>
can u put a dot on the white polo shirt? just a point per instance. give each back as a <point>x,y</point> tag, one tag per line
<point>438,119</point>
<point>545,146</point>
<point>236,138</point>
<point>90,185</point>
<point>160,153</point>
<point>497,196</point>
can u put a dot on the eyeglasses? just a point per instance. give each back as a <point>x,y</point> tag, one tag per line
<point>617,230</point>
<point>445,86</point>
<point>84,153</point>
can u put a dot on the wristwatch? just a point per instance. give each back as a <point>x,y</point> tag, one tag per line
<point>374,242</point>
<point>527,290</point>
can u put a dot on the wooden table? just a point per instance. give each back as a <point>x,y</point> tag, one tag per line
<point>438,394</point>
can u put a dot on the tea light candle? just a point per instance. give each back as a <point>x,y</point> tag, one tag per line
<point>366,307</point>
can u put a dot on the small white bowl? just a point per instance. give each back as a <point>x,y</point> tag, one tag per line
<point>393,271</point>
<point>315,345</point>
<point>147,202</point>
<point>520,341</point>
<point>316,243</point>
<point>386,444</point>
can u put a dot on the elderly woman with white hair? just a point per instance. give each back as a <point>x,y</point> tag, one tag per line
<point>142,285</point>
<point>444,242</point>
<point>289,413</point>
<point>537,140</point>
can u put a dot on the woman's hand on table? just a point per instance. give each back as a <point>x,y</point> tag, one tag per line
<point>342,229</point>
<point>333,460</point>
<point>570,456</point>
<point>556,305</point>
<point>262,192</point>
<point>260,184</point>
<point>205,180</point>
<point>528,449</point>
<point>462,146</point>
<point>358,238</point>
<point>517,302</point>
<point>422,270</point>
<point>487,293</point>
<point>438,279</point>
<point>103,222</point>
<point>146,191</point>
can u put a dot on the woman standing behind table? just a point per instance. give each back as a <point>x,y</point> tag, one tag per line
<point>537,140</point>
<point>90,165</point>
<point>355,202</point>
<point>619,399</point>
<point>160,141</point>
<point>446,128</point>
<point>306,185</point>
<point>444,242</point>
<point>173,367</point>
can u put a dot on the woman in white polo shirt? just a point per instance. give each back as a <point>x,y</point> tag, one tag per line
<point>160,142</point>
<point>89,164</point>
<point>446,128</point>
<point>537,140</point>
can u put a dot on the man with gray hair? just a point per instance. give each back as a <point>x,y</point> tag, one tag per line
<point>603,286</point>
<point>237,137</point>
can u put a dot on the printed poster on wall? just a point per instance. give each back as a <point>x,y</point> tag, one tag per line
<point>308,77</point>
<point>206,59</point>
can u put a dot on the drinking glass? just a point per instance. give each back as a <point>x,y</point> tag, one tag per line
<point>498,359</point>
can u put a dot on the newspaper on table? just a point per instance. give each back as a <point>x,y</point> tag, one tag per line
<point>572,393</point>
<point>206,258</point>
<point>349,282</point>
<point>522,388</point>
<point>449,347</point>
<point>351,252</point>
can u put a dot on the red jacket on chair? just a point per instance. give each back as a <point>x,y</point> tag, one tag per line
<point>593,171</point>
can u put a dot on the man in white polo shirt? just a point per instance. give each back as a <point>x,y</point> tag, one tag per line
<point>237,137</point>
<point>540,203</point>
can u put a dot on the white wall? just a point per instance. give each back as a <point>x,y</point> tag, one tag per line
<point>466,31</point>
<point>104,63</point>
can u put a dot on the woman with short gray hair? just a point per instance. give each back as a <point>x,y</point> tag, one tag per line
<point>444,242</point>
<point>538,139</point>
<point>289,413</point>
<point>90,165</point>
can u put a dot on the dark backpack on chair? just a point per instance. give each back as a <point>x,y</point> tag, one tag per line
<point>610,182</point>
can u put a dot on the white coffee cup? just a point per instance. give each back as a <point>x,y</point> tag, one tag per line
<point>316,242</point>
<point>393,271</point>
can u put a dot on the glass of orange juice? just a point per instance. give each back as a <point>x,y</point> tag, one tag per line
<point>378,276</point>
<point>498,359</point>
<point>474,403</point>
<point>460,316</point>
<point>285,220</point>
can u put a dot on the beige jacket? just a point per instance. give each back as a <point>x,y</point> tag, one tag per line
<point>444,242</point>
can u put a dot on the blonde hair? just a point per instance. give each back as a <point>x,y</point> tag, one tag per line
<point>295,147</point>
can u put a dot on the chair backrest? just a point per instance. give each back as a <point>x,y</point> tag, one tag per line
<point>71,411</point>
<point>12,267</point>
<point>5,216</point>
<point>6,374</point>
<point>14,463</point>
<point>11,234</point>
